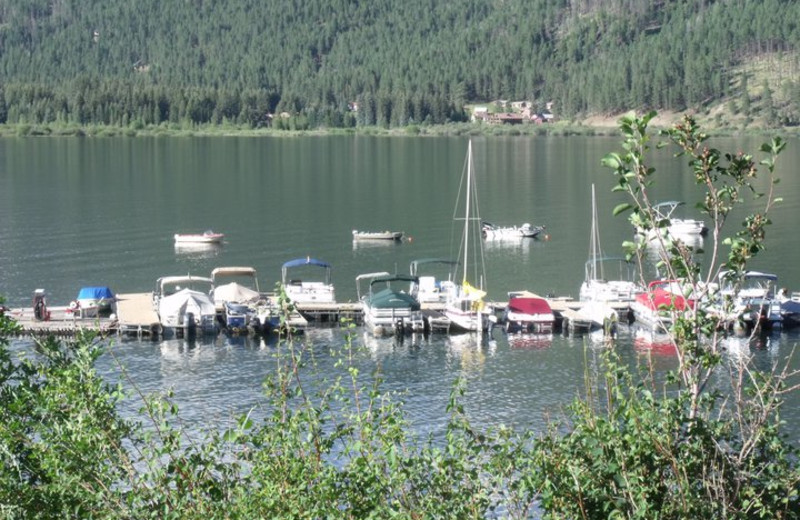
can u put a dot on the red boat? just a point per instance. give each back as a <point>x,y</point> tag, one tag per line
<point>530,314</point>
<point>656,308</point>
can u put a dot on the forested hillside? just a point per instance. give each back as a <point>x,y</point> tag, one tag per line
<point>149,62</point>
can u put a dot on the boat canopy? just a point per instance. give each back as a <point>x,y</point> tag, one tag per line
<point>388,278</point>
<point>422,261</point>
<point>232,271</point>
<point>392,299</point>
<point>95,293</point>
<point>236,293</point>
<point>528,305</point>
<point>306,261</point>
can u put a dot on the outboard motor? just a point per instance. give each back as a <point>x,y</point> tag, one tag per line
<point>189,325</point>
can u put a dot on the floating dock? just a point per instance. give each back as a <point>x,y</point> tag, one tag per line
<point>136,316</point>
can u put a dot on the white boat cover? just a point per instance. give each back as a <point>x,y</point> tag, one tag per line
<point>172,308</point>
<point>235,293</point>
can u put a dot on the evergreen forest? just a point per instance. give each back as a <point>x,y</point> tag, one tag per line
<point>303,64</point>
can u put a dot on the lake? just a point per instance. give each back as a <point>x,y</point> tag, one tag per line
<point>96,211</point>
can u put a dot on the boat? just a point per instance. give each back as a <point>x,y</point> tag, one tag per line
<point>386,309</point>
<point>465,309</point>
<point>607,279</point>
<point>239,300</point>
<point>664,218</point>
<point>93,302</point>
<point>184,306</point>
<point>206,237</point>
<point>491,231</point>
<point>378,235</point>
<point>526,312</point>
<point>657,307</point>
<point>790,308</point>
<point>428,289</point>
<point>751,304</point>
<point>300,291</point>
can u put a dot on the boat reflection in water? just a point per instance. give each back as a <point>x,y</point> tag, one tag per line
<point>530,341</point>
<point>197,250</point>
<point>649,341</point>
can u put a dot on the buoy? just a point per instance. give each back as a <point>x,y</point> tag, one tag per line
<point>547,237</point>
<point>410,239</point>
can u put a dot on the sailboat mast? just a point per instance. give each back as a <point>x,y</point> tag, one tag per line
<point>466,215</point>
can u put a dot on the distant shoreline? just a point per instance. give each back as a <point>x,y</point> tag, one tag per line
<point>590,126</point>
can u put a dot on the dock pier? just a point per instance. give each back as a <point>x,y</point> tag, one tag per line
<point>136,317</point>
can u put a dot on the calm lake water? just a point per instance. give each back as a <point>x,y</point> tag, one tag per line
<point>77,212</point>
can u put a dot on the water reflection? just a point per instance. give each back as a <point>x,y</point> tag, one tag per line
<point>530,341</point>
<point>197,251</point>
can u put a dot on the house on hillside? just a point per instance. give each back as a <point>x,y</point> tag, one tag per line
<point>480,114</point>
<point>506,118</point>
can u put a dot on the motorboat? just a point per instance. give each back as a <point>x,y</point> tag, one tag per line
<point>664,218</point>
<point>465,308</point>
<point>528,313</point>
<point>428,289</point>
<point>657,307</point>
<point>239,300</point>
<point>750,302</point>
<point>790,308</point>
<point>206,237</point>
<point>378,235</point>
<point>388,310</point>
<point>301,291</point>
<point>93,302</point>
<point>184,306</point>
<point>491,231</point>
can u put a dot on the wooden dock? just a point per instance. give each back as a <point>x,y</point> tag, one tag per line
<point>136,316</point>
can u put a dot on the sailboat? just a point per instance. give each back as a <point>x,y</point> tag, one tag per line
<point>464,307</point>
<point>597,292</point>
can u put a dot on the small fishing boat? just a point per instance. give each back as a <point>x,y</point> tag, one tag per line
<point>491,231</point>
<point>93,302</point>
<point>377,235</point>
<point>206,237</point>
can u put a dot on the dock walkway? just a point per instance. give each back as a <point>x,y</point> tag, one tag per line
<point>136,316</point>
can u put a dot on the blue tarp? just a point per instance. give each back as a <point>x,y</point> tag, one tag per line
<point>95,293</point>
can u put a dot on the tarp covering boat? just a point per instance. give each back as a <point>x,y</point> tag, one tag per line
<point>236,293</point>
<point>174,307</point>
<point>392,299</point>
<point>95,293</point>
<point>526,305</point>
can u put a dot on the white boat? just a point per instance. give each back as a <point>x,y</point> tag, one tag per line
<point>526,312</point>
<point>93,302</point>
<point>752,303</point>
<point>238,298</point>
<point>388,310</point>
<point>184,306</point>
<point>664,215</point>
<point>207,237</point>
<point>428,288</point>
<point>377,235</point>
<point>301,291</point>
<point>607,280</point>
<point>492,232</point>
<point>465,309</point>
